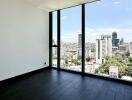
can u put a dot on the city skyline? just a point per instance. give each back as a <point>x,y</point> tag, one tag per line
<point>105,24</point>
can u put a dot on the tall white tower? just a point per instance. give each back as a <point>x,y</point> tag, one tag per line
<point>103,48</point>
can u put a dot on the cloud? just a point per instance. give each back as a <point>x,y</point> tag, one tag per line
<point>116,2</point>
<point>99,31</point>
<point>70,36</point>
<point>93,33</point>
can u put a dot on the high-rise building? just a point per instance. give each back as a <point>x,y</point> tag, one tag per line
<point>103,48</point>
<point>122,41</point>
<point>114,35</point>
<point>124,48</point>
<point>115,41</point>
<point>130,48</point>
<point>130,45</point>
<point>79,53</point>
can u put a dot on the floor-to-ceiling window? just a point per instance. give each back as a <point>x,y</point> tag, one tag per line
<point>109,38</point>
<point>71,38</point>
<point>54,39</point>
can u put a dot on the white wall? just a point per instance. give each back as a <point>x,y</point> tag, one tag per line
<point>23,38</point>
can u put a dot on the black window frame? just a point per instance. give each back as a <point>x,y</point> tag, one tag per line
<point>83,6</point>
<point>59,37</point>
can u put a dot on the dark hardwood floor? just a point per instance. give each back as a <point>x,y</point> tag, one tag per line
<point>59,85</point>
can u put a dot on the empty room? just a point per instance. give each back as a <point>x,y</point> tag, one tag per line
<point>65,50</point>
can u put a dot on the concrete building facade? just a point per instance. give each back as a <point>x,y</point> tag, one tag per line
<point>103,48</point>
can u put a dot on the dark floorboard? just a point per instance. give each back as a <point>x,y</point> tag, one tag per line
<point>58,85</point>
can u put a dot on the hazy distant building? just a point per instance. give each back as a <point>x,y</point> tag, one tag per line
<point>124,48</point>
<point>115,41</point>
<point>90,50</point>
<point>79,53</point>
<point>103,48</point>
<point>79,50</point>
<point>114,35</point>
<point>54,51</point>
<point>122,41</point>
<point>130,47</point>
<point>87,52</point>
<point>79,40</point>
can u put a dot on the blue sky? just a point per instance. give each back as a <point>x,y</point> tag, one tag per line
<point>102,17</point>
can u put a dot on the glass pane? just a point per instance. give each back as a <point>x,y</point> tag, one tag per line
<point>109,39</point>
<point>54,41</point>
<point>71,38</point>
<point>54,56</point>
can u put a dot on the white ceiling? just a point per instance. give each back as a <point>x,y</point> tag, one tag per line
<point>52,5</point>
